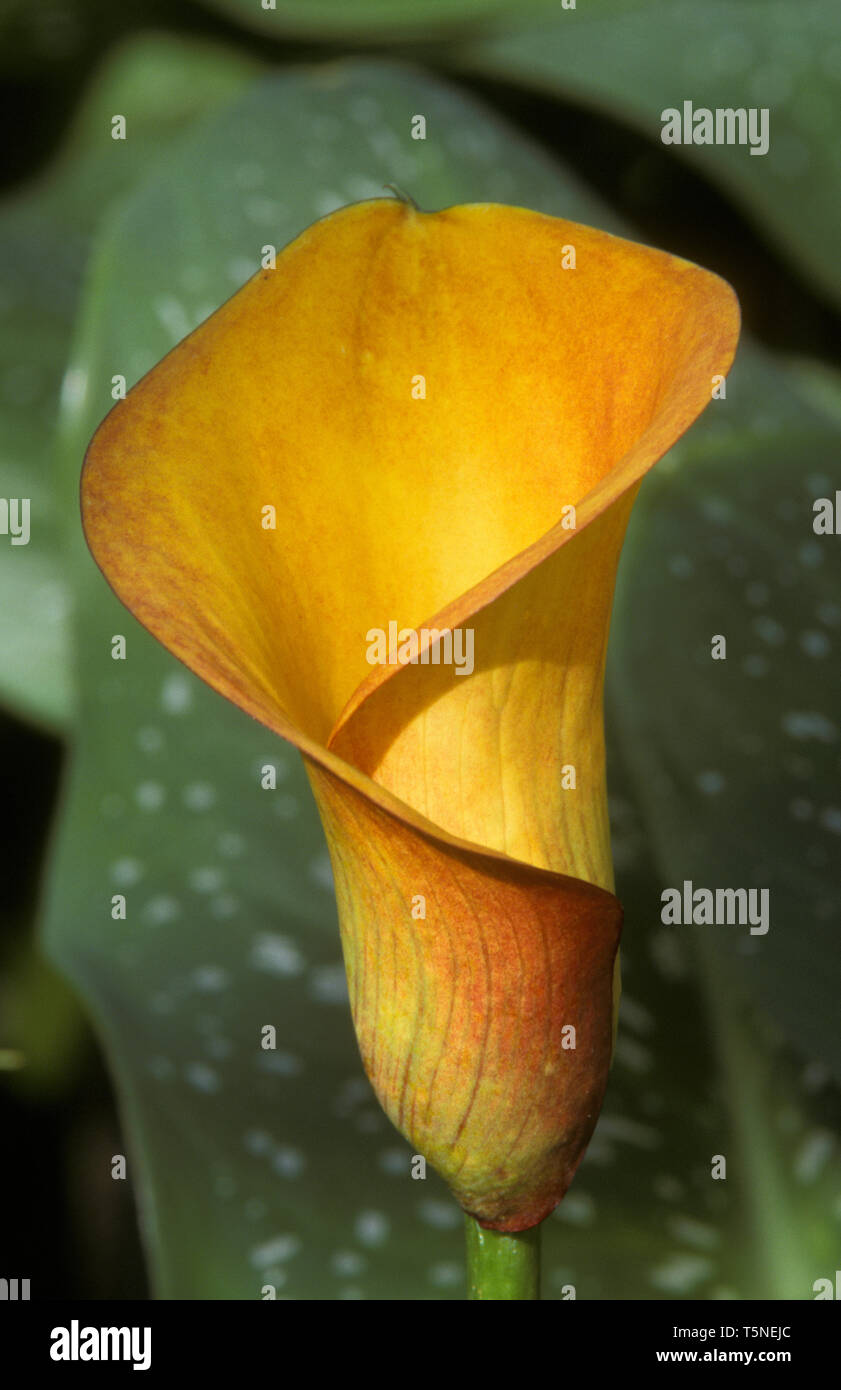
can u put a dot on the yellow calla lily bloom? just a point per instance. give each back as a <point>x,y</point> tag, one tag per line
<point>424,425</point>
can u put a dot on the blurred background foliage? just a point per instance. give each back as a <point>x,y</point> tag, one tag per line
<point>248,1167</point>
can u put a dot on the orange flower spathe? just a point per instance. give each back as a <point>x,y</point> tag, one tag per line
<point>474,880</point>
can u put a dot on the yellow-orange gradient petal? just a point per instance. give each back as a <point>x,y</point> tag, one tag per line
<point>485,1026</point>
<point>418,401</point>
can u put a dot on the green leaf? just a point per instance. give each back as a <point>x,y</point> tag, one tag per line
<point>375,19</point>
<point>253,1166</point>
<point>45,237</point>
<point>36,325</point>
<point>44,1059</point>
<point>737,760</point>
<point>697,1074</point>
<point>638,57</point>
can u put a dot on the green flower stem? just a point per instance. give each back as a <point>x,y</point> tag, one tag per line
<point>502,1266</point>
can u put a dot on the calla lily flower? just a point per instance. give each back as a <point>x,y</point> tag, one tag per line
<point>432,424</point>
